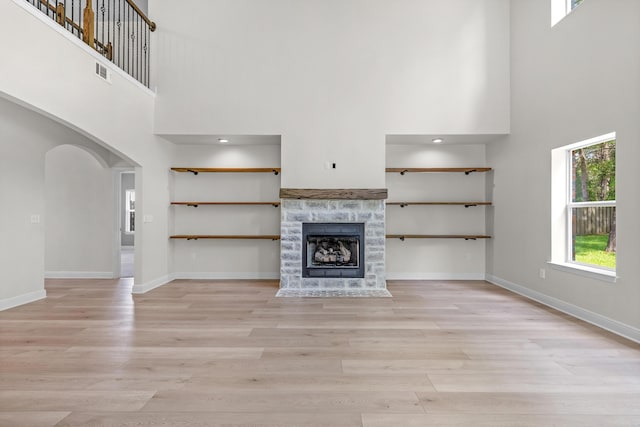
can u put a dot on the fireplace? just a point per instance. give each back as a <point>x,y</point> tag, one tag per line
<point>332,243</point>
<point>333,250</point>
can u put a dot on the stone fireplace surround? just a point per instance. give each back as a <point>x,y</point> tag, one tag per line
<point>300,206</point>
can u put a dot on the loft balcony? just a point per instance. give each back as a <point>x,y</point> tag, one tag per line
<point>117,29</point>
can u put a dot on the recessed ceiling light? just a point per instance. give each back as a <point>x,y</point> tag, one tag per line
<point>223,140</point>
<point>437,140</point>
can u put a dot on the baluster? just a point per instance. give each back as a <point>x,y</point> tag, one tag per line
<point>104,43</point>
<point>73,8</point>
<point>128,38</point>
<point>146,55</point>
<point>79,28</point>
<point>138,47</point>
<point>109,27</point>
<point>119,25</point>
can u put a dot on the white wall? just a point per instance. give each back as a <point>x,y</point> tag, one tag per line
<point>436,258</point>
<point>79,214</point>
<point>333,77</point>
<point>574,81</point>
<point>119,116</point>
<point>22,158</point>
<point>226,258</point>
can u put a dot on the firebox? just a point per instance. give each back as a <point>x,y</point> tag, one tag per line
<point>333,249</point>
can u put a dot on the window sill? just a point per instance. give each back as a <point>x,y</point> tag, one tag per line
<point>583,270</point>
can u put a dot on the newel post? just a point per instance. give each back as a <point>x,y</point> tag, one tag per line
<point>89,32</point>
<point>60,14</point>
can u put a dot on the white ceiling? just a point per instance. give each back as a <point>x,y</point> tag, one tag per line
<point>233,139</point>
<point>448,139</point>
<point>276,139</point>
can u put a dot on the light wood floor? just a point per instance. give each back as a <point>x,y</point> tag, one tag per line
<point>199,353</point>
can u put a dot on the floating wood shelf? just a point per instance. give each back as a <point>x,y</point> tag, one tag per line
<point>436,236</point>
<point>234,237</point>
<point>196,204</point>
<point>334,193</point>
<point>196,171</point>
<point>466,171</point>
<point>465,204</point>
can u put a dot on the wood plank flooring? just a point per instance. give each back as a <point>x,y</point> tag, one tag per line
<point>227,353</point>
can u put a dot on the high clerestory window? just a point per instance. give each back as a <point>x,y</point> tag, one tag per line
<point>561,8</point>
<point>584,205</point>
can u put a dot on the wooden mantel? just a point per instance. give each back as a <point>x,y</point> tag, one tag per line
<point>334,193</point>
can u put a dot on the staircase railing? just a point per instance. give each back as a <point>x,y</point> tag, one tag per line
<point>117,29</point>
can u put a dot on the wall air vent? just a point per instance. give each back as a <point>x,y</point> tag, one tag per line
<point>103,72</point>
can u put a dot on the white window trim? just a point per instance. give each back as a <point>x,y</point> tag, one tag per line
<point>602,274</point>
<point>560,204</point>
<point>560,9</point>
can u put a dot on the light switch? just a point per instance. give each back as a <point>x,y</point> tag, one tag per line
<point>35,219</point>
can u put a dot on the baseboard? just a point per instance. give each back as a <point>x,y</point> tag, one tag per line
<point>156,283</point>
<point>12,302</point>
<point>78,275</point>
<point>435,276</point>
<point>226,276</point>
<point>596,319</point>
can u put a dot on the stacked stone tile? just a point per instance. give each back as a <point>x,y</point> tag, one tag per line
<point>295,212</point>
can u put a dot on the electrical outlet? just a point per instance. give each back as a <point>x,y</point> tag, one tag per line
<point>542,273</point>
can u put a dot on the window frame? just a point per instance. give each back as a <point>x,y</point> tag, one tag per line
<point>562,207</point>
<point>561,8</point>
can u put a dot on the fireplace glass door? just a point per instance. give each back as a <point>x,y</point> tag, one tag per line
<point>333,250</point>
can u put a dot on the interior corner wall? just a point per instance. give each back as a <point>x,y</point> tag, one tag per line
<point>79,215</point>
<point>333,77</point>
<point>22,158</point>
<point>576,80</point>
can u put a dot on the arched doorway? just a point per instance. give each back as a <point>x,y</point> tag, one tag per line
<point>83,209</point>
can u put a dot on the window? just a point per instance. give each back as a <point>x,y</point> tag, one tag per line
<point>591,211</point>
<point>584,204</point>
<point>130,211</point>
<point>572,4</point>
<point>561,8</point>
